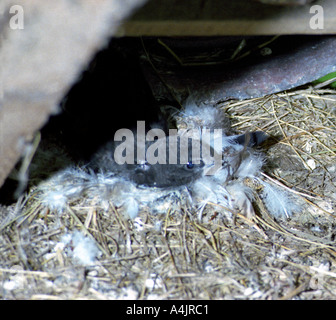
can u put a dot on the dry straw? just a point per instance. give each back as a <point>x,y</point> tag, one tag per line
<point>176,256</point>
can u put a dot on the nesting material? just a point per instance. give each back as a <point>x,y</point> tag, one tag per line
<point>264,233</point>
<point>80,247</point>
<point>193,185</point>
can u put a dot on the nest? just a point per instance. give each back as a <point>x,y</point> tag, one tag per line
<point>91,250</point>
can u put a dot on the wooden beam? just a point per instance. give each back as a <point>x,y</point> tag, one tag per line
<point>226,17</point>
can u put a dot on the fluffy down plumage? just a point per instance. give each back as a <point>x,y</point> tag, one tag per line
<point>278,202</point>
<point>225,187</point>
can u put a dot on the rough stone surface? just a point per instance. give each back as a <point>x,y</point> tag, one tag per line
<point>40,61</point>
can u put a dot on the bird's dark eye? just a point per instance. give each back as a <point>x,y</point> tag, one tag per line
<point>190,165</point>
<point>144,166</point>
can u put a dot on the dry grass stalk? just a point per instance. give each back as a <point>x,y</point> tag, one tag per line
<point>175,255</point>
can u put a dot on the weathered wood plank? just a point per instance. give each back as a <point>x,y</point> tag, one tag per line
<point>226,17</point>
